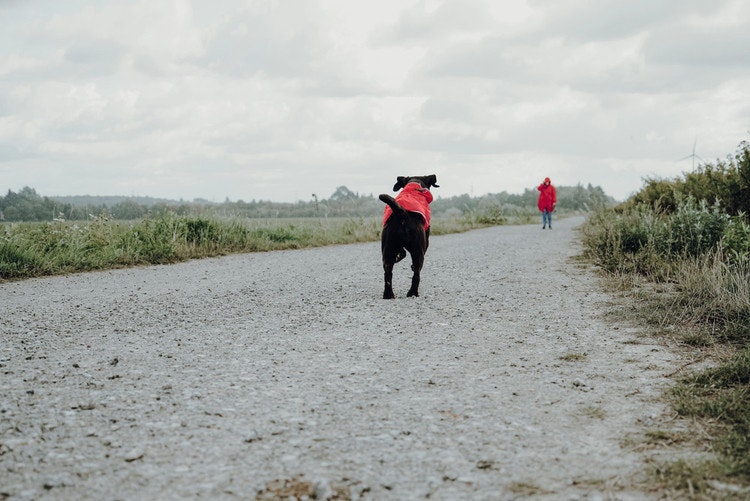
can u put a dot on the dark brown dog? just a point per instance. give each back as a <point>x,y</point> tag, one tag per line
<point>406,228</point>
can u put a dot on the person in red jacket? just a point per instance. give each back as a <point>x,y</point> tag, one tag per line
<point>547,202</point>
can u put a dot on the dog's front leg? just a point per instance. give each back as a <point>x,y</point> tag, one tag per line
<point>388,291</point>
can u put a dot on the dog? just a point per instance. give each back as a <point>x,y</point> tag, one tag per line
<point>406,228</point>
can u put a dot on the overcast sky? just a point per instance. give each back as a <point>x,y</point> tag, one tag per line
<point>276,100</point>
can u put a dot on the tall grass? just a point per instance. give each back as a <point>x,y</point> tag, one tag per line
<point>649,242</point>
<point>702,251</point>
<point>699,257</point>
<point>59,247</point>
<point>37,249</point>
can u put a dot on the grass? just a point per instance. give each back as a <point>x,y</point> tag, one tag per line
<point>593,412</point>
<point>687,276</point>
<point>666,437</point>
<point>38,249</point>
<point>527,489</point>
<point>573,357</point>
<point>54,248</point>
<point>691,480</point>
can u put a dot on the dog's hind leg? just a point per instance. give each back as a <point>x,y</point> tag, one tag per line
<point>417,260</point>
<point>388,291</point>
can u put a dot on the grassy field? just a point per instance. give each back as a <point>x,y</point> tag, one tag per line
<point>59,247</point>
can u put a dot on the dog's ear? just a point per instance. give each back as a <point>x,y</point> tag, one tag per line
<point>431,180</point>
<point>400,182</point>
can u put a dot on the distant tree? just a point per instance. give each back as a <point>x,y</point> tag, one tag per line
<point>343,200</point>
<point>128,209</point>
<point>343,193</point>
<point>27,205</point>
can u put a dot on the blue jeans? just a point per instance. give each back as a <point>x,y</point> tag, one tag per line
<point>546,218</point>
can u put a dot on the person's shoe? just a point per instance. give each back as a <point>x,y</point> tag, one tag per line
<point>544,227</point>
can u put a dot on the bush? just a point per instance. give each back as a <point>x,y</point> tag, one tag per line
<point>658,194</point>
<point>735,241</point>
<point>696,228</point>
<point>643,240</point>
<point>725,184</point>
<point>491,215</point>
<point>16,262</point>
<point>699,242</point>
<point>151,241</point>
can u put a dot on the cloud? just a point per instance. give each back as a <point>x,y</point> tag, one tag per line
<point>450,18</point>
<point>269,38</point>
<point>701,48</point>
<point>597,20</point>
<point>278,100</point>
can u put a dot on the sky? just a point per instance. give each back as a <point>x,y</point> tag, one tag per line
<point>279,100</point>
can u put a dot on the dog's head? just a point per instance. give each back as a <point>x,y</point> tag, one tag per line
<point>424,181</point>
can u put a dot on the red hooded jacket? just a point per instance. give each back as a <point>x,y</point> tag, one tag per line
<point>547,196</point>
<point>413,198</point>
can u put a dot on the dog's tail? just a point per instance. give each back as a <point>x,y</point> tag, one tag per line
<point>393,204</point>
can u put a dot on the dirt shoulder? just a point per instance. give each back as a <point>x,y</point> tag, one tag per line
<point>280,373</point>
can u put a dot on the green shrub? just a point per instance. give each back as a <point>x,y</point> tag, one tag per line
<point>735,241</point>
<point>725,184</point>
<point>696,228</point>
<point>283,234</point>
<point>151,241</point>
<point>199,231</point>
<point>631,241</point>
<point>657,194</point>
<point>637,238</point>
<point>491,215</point>
<point>16,262</point>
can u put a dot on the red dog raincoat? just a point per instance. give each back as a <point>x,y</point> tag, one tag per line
<point>413,198</point>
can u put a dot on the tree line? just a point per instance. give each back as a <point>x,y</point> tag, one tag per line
<point>28,205</point>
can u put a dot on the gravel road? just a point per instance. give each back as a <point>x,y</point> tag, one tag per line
<point>275,374</point>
